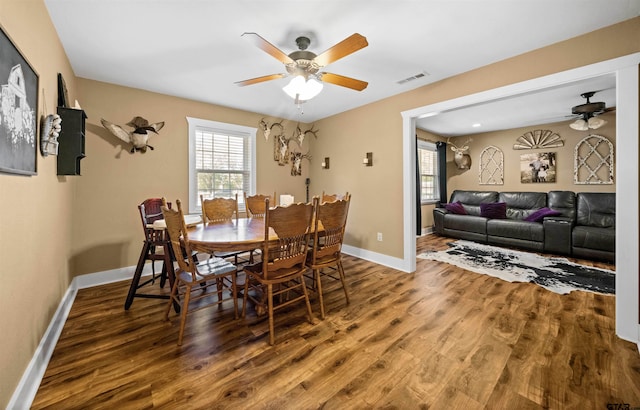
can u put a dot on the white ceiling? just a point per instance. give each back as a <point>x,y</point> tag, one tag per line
<point>194,49</point>
<point>540,107</point>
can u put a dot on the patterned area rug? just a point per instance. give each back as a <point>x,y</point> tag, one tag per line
<point>556,274</point>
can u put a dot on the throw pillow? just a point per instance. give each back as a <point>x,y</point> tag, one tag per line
<point>493,210</point>
<point>539,215</point>
<point>455,208</point>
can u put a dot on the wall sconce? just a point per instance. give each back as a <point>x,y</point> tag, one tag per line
<point>368,160</point>
<point>325,163</point>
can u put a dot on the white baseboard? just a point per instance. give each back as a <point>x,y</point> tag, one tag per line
<point>386,260</point>
<point>427,230</point>
<point>32,376</point>
<point>27,388</point>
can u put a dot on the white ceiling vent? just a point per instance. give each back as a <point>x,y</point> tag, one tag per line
<point>413,77</point>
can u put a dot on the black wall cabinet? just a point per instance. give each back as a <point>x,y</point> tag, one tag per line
<point>71,140</point>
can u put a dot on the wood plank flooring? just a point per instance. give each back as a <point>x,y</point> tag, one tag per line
<point>441,338</point>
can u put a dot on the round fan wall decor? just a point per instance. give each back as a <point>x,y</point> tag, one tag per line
<point>538,139</point>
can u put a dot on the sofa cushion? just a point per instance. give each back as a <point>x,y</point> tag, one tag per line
<point>540,214</point>
<point>596,209</point>
<point>469,223</point>
<point>493,210</point>
<point>472,199</point>
<point>455,208</point>
<point>602,239</point>
<point>510,228</point>
<point>522,204</point>
<point>563,201</point>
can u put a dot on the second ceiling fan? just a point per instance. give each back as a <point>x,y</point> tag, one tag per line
<point>305,66</point>
<point>587,113</point>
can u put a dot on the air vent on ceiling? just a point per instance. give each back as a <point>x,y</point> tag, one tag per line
<point>413,77</point>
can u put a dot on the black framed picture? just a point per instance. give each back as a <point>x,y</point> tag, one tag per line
<point>18,110</point>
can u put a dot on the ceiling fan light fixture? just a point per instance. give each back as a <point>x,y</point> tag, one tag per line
<point>594,123</point>
<point>303,90</point>
<point>579,125</point>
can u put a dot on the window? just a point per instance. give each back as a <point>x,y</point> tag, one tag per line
<point>222,161</point>
<point>428,165</point>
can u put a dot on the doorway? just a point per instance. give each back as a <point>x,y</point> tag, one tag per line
<point>627,210</point>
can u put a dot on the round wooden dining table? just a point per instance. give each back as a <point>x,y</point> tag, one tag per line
<point>242,234</point>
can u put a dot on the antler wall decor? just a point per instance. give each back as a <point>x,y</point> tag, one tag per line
<point>281,149</point>
<point>300,135</point>
<point>281,152</point>
<point>296,162</point>
<point>461,158</point>
<point>266,128</point>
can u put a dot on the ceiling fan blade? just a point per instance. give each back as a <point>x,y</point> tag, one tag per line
<point>260,79</point>
<point>347,46</point>
<point>269,48</point>
<point>344,81</point>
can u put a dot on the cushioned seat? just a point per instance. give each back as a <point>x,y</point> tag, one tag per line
<point>528,231</point>
<point>594,236</point>
<point>467,223</point>
<point>511,232</point>
<point>602,239</point>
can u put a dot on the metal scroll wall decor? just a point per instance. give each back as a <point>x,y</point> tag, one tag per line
<point>538,139</point>
<point>491,166</point>
<point>282,154</point>
<point>593,161</point>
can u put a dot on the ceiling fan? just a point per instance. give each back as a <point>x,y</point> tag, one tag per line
<point>305,66</point>
<point>588,112</point>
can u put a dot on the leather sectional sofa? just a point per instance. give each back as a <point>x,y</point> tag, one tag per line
<point>581,225</point>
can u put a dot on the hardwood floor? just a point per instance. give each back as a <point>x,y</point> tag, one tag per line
<point>439,338</point>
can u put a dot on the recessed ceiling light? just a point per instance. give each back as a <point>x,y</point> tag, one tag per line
<point>476,125</point>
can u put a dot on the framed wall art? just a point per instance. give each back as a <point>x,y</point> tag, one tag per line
<point>18,110</point>
<point>538,167</point>
<point>491,166</point>
<point>593,161</point>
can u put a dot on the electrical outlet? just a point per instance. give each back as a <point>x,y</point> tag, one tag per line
<point>379,236</point>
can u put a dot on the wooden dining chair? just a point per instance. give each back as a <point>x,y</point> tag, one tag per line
<point>332,197</point>
<point>219,209</point>
<point>255,204</point>
<point>222,210</point>
<point>281,271</point>
<point>325,258</point>
<point>255,208</point>
<point>193,281</point>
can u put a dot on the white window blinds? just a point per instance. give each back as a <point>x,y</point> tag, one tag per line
<point>222,161</point>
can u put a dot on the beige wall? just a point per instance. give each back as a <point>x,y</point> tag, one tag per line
<point>468,179</point>
<point>377,127</point>
<point>35,211</point>
<point>56,227</point>
<point>114,181</point>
